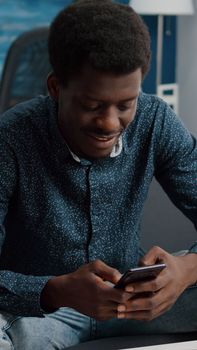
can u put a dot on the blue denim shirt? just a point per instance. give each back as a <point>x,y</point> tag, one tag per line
<point>57,214</point>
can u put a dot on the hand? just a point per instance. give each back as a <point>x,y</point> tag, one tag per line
<point>86,291</point>
<point>164,290</point>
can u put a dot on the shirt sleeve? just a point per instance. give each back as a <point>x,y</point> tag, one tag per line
<point>176,164</point>
<point>19,294</point>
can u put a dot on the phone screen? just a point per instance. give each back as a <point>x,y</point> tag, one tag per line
<point>143,273</point>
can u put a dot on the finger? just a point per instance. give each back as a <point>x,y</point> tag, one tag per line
<point>153,303</point>
<point>148,286</point>
<point>107,311</point>
<point>106,316</point>
<point>105,272</point>
<point>109,293</point>
<point>142,304</point>
<point>154,255</point>
<point>145,315</point>
<point>117,296</point>
<point>149,301</point>
<point>150,307</point>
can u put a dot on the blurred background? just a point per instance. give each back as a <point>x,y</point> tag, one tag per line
<point>18,16</point>
<point>162,223</point>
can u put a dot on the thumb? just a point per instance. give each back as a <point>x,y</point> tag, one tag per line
<point>105,271</point>
<point>154,256</point>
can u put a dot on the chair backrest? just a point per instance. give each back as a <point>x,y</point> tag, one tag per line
<point>25,69</point>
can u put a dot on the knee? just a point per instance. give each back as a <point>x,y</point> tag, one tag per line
<point>29,333</point>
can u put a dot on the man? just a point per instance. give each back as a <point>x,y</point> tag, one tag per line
<point>75,171</point>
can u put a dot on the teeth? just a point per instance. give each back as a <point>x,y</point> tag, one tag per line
<point>100,138</point>
<point>103,138</point>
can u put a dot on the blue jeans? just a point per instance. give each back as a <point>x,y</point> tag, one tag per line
<point>67,327</point>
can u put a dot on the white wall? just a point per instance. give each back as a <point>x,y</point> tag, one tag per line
<point>187,69</point>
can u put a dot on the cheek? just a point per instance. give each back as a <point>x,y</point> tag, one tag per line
<point>133,112</point>
<point>130,116</point>
<point>84,119</point>
<point>67,115</point>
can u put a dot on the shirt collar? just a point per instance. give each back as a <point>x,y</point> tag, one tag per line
<point>117,149</point>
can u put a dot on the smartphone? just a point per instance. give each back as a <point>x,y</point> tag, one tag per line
<point>143,273</point>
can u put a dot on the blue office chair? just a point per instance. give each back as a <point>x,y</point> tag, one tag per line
<point>25,69</point>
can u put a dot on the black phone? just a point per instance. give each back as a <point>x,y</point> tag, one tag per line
<point>142,273</point>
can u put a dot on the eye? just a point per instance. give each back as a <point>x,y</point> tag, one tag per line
<point>91,107</point>
<point>126,106</point>
<point>123,107</point>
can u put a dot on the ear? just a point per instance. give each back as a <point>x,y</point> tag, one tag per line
<point>53,86</point>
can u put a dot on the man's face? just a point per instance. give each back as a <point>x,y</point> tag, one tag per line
<point>95,108</point>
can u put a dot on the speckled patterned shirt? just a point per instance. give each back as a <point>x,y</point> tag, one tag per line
<point>57,213</point>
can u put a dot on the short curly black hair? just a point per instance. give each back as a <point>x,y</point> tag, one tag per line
<point>108,36</point>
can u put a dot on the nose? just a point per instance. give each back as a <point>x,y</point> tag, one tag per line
<point>108,120</point>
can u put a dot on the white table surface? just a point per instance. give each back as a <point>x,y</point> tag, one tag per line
<point>190,345</point>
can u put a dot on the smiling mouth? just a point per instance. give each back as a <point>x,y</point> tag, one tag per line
<point>102,142</point>
<point>103,138</point>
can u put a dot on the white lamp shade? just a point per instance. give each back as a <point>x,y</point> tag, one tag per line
<point>163,7</point>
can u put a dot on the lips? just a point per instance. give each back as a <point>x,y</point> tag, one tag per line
<point>103,137</point>
<point>102,140</point>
